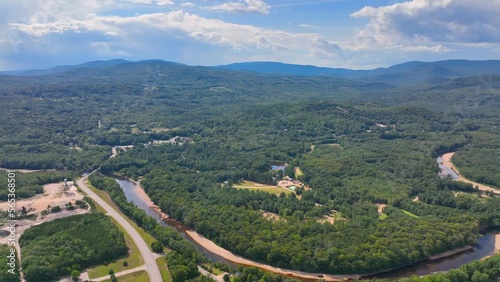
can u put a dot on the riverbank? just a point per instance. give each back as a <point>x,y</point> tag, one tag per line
<point>497,243</point>
<point>447,162</point>
<point>213,248</point>
<point>450,253</point>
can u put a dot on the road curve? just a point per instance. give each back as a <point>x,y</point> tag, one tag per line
<point>147,255</point>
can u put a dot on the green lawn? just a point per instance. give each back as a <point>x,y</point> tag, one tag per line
<point>382,216</point>
<point>262,187</point>
<point>212,269</point>
<point>410,214</point>
<point>165,274</point>
<point>139,276</point>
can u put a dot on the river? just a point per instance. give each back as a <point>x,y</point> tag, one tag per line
<point>133,194</point>
<point>485,246</point>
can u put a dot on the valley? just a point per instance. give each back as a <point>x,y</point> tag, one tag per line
<point>266,176</point>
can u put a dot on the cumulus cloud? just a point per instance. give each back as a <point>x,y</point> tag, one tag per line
<point>427,21</point>
<point>125,36</point>
<point>212,31</point>
<point>149,2</point>
<point>187,4</point>
<point>245,6</point>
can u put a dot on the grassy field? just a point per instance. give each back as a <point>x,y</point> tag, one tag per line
<point>298,172</point>
<point>139,276</point>
<point>312,148</point>
<point>212,269</point>
<point>134,258</point>
<point>165,274</point>
<point>262,187</point>
<point>410,214</point>
<point>382,216</point>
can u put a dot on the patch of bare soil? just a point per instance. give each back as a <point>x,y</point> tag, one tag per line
<point>380,208</point>
<point>271,216</point>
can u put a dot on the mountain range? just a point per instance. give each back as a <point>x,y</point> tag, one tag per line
<point>406,74</point>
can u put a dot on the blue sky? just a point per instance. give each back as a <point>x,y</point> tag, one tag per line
<point>358,34</point>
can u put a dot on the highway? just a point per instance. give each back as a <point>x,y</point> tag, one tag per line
<point>147,255</point>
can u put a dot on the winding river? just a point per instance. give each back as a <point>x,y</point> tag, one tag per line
<point>486,245</point>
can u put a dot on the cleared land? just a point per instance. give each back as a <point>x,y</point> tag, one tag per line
<point>53,195</point>
<point>277,190</point>
<point>410,214</point>
<point>298,172</point>
<point>271,216</point>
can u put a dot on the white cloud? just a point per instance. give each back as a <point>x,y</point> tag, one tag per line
<point>425,21</point>
<point>212,31</point>
<point>242,40</point>
<point>308,26</point>
<point>187,4</point>
<point>149,2</point>
<point>164,2</point>
<point>245,6</point>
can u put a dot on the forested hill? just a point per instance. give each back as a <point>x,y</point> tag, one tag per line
<point>358,144</point>
<point>410,73</point>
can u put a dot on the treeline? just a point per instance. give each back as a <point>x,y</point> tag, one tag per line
<point>56,248</point>
<point>30,184</point>
<point>10,268</point>
<point>52,156</point>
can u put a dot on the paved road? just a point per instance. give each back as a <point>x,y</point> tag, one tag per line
<point>147,255</point>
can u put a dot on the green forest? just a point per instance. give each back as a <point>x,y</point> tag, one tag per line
<point>358,145</point>
<point>5,274</point>
<point>54,249</point>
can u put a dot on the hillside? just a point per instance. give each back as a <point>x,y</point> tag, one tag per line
<point>359,144</point>
<point>410,73</point>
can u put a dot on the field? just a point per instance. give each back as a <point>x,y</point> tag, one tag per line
<point>262,187</point>
<point>140,276</point>
<point>298,172</point>
<point>165,274</point>
<point>410,214</point>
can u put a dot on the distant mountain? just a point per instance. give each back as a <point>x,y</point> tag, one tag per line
<point>288,69</point>
<point>406,74</point>
<point>92,64</point>
<point>410,73</point>
<point>60,69</point>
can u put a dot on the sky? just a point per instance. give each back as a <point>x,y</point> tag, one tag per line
<point>358,34</point>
